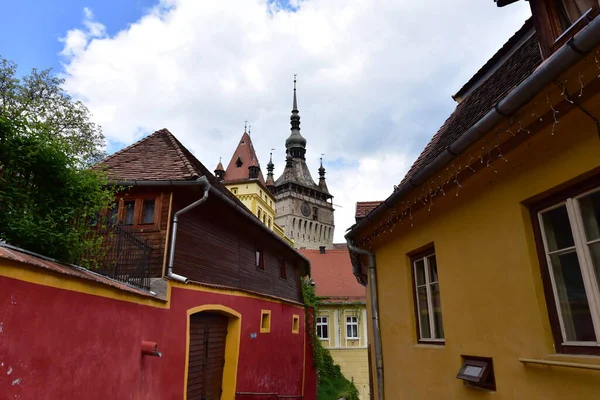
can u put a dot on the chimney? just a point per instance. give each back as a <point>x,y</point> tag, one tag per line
<point>322,249</point>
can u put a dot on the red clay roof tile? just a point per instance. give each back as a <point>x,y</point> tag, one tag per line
<point>246,154</point>
<point>332,274</point>
<point>363,208</point>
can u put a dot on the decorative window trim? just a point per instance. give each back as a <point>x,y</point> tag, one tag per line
<point>265,321</point>
<point>348,323</point>
<point>320,324</point>
<point>570,196</point>
<point>423,254</point>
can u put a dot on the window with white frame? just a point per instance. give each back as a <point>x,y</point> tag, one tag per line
<point>570,232</point>
<point>323,328</point>
<point>430,327</point>
<point>352,327</point>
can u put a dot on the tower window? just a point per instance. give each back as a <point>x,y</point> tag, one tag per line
<point>315,214</point>
<point>238,162</point>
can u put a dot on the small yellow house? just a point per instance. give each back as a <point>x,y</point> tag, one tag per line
<point>243,177</point>
<point>483,266</point>
<point>341,319</point>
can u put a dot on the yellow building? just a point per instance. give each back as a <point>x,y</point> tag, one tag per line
<point>483,267</point>
<point>244,178</point>
<point>341,319</point>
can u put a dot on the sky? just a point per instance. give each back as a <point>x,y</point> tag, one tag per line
<point>375,78</point>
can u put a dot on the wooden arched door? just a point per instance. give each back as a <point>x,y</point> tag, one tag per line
<point>208,331</point>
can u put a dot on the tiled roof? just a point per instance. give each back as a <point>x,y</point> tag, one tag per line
<point>244,152</point>
<point>521,64</point>
<point>24,257</point>
<point>363,208</point>
<point>332,274</point>
<point>158,157</point>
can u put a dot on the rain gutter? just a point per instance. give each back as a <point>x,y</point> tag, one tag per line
<point>575,49</point>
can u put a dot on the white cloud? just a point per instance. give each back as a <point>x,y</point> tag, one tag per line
<point>374,78</point>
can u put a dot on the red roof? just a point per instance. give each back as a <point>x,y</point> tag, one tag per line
<point>246,154</point>
<point>333,277</point>
<point>363,208</point>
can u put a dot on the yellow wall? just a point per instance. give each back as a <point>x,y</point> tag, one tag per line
<point>260,201</point>
<point>350,355</point>
<point>492,298</point>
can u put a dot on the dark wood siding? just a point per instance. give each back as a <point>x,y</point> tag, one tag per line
<point>154,234</point>
<point>206,356</point>
<point>216,245</point>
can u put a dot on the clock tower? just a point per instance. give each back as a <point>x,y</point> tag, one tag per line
<point>303,208</point>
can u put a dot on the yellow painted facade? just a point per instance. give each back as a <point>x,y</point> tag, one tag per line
<point>348,352</point>
<point>491,291</point>
<point>258,199</point>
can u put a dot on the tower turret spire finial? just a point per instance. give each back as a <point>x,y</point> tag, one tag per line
<point>245,126</point>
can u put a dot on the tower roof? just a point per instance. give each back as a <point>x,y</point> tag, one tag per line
<point>157,157</point>
<point>220,166</point>
<point>295,140</point>
<point>243,157</point>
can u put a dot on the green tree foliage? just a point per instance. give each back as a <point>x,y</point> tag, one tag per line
<point>332,384</point>
<point>47,195</point>
<point>39,104</point>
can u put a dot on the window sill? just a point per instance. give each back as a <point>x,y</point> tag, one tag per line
<point>563,364</point>
<point>431,345</point>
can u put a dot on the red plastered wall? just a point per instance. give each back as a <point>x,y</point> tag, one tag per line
<point>61,344</point>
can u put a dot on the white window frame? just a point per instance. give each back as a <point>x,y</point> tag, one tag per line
<point>427,285</point>
<point>352,320</point>
<point>321,324</point>
<point>584,257</point>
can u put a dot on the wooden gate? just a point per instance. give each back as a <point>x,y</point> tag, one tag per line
<point>207,355</point>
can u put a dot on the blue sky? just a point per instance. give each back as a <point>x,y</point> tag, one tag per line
<point>375,78</point>
<point>30,35</point>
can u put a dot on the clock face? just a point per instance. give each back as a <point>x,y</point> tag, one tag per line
<point>305,208</point>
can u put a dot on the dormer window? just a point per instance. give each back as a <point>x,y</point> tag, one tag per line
<point>238,162</point>
<point>557,21</point>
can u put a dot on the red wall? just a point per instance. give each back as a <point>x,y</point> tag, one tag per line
<point>60,344</point>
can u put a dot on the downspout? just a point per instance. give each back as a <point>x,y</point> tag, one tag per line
<point>374,312</point>
<point>205,185</point>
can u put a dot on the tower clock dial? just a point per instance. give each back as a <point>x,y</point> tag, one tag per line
<point>305,208</point>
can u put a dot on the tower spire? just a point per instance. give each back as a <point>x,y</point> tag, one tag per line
<point>295,144</point>
<point>295,104</point>
<point>322,183</point>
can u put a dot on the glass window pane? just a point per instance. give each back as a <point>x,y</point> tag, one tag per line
<point>148,211</point>
<point>595,253</point>
<point>112,214</point>
<point>325,332</point>
<point>573,302</point>
<point>437,311</point>
<point>423,313</point>
<point>590,213</point>
<point>129,208</point>
<point>433,276</point>
<point>557,229</point>
<point>420,272</point>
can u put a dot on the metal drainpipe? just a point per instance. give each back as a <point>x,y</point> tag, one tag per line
<point>374,313</point>
<point>205,185</point>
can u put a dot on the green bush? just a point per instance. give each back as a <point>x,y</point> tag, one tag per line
<point>331,383</point>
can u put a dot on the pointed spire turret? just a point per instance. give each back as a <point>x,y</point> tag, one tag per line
<point>322,183</point>
<point>270,166</point>
<point>295,144</point>
<point>220,171</point>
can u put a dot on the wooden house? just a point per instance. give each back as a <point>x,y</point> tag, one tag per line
<point>241,281</point>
